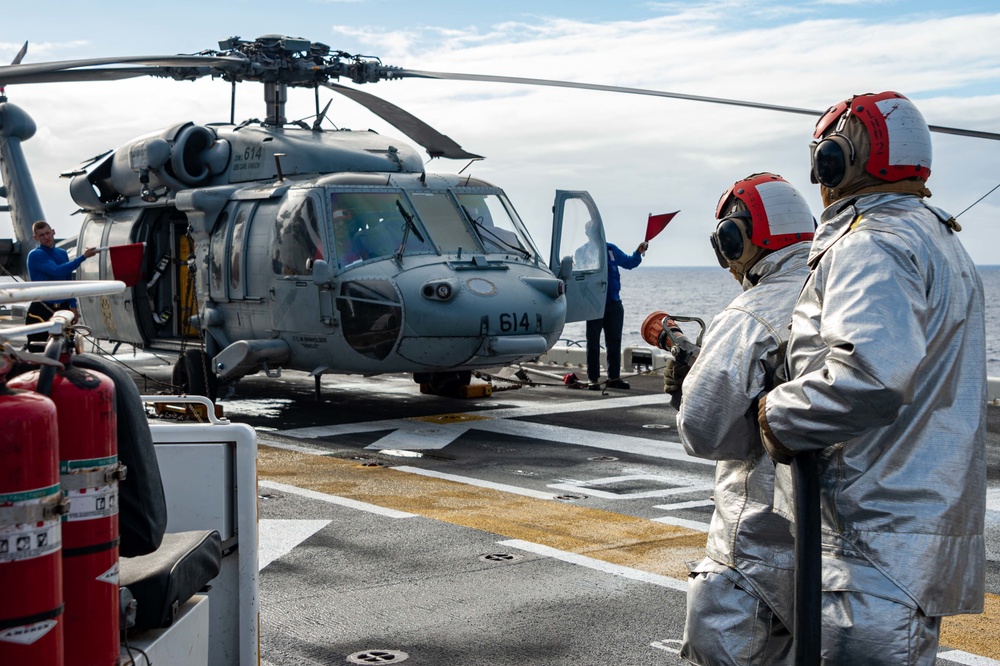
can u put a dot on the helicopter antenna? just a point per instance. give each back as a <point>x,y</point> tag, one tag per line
<point>980,199</point>
<point>471,162</point>
<point>277,165</point>
<point>321,115</point>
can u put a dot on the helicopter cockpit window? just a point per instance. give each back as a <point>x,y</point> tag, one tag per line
<point>298,241</point>
<point>218,271</point>
<point>581,232</point>
<point>448,229</point>
<point>236,253</point>
<point>497,224</point>
<point>369,225</point>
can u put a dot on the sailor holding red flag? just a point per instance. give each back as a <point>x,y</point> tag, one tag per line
<point>614,312</point>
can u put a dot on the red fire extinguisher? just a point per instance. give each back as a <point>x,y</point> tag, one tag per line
<point>89,474</point>
<point>31,604</point>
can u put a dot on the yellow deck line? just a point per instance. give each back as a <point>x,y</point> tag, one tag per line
<point>624,540</point>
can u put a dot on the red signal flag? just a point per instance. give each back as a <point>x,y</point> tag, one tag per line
<point>657,223</point>
<point>126,262</point>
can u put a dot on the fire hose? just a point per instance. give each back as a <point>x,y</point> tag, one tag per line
<point>661,329</point>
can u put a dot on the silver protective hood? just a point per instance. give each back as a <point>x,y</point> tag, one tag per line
<point>888,379</point>
<point>740,358</point>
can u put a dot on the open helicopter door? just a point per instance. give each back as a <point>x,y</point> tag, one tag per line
<point>583,264</point>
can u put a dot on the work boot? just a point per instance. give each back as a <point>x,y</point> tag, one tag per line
<point>618,384</point>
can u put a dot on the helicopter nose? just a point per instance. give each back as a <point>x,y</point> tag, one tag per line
<point>482,319</point>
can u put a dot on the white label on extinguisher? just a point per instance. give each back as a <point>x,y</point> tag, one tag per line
<point>25,541</point>
<point>91,503</point>
<point>28,633</point>
<point>110,576</point>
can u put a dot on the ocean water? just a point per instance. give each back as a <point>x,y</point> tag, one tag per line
<point>704,291</point>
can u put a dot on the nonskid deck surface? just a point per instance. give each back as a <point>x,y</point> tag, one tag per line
<point>542,525</point>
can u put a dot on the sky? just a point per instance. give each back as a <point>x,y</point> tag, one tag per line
<point>635,155</point>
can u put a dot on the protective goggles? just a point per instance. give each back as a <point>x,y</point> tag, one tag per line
<point>729,238</point>
<point>830,159</point>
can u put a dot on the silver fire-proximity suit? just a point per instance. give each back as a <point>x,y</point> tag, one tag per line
<point>888,380</point>
<point>746,580</point>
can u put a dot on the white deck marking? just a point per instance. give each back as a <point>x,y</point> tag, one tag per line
<point>343,429</point>
<point>960,657</point>
<point>598,565</point>
<point>420,435</point>
<point>677,506</point>
<point>599,440</point>
<point>671,645</point>
<point>588,487</point>
<point>277,538</point>
<point>287,446</point>
<point>993,499</point>
<point>476,482</point>
<point>334,499</point>
<point>414,434</point>
<point>534,409</point>
<point>683,522</point>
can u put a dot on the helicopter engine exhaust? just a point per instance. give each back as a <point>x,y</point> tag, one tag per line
<point>181,157</point>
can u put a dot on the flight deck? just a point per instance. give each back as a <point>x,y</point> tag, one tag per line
<point>535,525</point>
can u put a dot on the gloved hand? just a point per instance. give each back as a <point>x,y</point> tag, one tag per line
<point>674,373</point>
<point>779,452</point>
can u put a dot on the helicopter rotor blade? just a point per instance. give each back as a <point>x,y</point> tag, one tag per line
<point>90,69</point>
<point>20,54</point>
<point>102,74</point>
<point>435,143</point>
<point>488,78</point>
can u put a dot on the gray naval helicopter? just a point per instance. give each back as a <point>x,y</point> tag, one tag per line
<point>283,245</point>
<point>276,245</point>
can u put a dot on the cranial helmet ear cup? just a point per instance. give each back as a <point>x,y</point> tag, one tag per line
<point>732,235</point>
<point>831,159</point>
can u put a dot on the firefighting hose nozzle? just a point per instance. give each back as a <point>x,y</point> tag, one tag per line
<point>661,330</point>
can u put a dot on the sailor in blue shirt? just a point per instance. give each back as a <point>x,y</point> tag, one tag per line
<point>612,321</point>
<point>48,263</point>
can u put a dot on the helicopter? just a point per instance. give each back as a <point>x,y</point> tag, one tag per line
<point>283,245</point>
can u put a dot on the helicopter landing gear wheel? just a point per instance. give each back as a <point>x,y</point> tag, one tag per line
<point>447,384</point>
<point>194,376</point>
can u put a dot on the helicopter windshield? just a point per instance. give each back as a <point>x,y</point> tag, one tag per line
<point>369,225</point>
<point>373,224</point>
<point>496,223</point>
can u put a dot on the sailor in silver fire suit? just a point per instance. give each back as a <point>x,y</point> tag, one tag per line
<point>739,608</point>
<point>888,381</point>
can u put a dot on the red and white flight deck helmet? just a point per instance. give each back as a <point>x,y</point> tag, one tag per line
<point>882,135</point>
<point>757,215</point>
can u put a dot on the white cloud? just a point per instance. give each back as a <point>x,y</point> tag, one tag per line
<point>635,154</point>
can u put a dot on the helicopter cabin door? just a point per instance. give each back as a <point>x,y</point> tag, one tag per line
<point>299,241</point>
<point>579,254</point>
